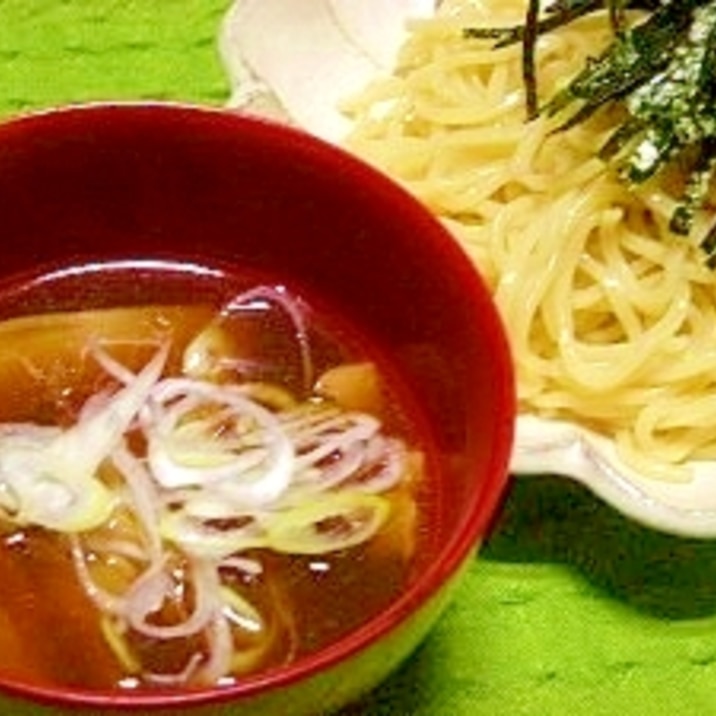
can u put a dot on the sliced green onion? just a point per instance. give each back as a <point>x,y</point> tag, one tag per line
<point>199,538</point>
<point>334,521</point>
<point>175,400</point>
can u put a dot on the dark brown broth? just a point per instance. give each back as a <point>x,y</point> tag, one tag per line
<point>46,378</point>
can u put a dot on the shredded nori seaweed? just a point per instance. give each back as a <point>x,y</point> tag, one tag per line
<point>661,68</point>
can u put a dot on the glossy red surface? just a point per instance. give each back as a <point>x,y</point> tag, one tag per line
<point>167,182</point>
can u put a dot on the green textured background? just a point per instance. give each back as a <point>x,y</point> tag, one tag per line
<point>570,609</point>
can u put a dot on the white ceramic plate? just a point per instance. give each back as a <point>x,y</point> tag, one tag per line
<point>294,61</point>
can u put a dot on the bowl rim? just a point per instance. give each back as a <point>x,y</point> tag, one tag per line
<point>464,538</point>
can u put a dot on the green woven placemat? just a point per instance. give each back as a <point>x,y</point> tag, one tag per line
<point>56,51</point>
<point>570,610</point>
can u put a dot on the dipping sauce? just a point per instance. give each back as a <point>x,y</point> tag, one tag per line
<point>203,474</point>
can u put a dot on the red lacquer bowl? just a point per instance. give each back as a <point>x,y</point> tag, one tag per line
<point>155,181</point>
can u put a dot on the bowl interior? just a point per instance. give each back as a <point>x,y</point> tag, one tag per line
<point>177,183</point>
